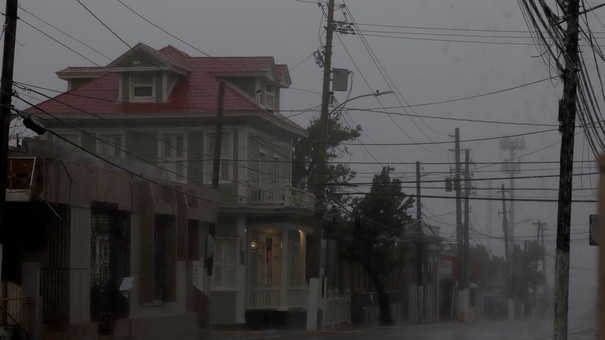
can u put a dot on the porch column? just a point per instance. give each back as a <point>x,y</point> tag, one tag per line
<point>283,276</point>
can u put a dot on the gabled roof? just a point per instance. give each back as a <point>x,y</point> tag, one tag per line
<point>144,58</point>
<point>196,91</point>
<point>81,72</point>
<point>243,66</point>
<point>283,75</point>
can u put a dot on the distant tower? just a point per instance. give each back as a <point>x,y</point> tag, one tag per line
<point>512,167</point>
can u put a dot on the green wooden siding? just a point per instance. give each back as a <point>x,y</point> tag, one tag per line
<point>272,148</point>
<point>171,79</point>
<point>253,150</point>
<point>235,154</point>
<point>142,146</point>
<point>159,92</point>
<point>223,308</point>
<point>125,87</point>
<point>89,143</point>
<point>227,226</point>
<point>195,157</point>
<point>227,193</point>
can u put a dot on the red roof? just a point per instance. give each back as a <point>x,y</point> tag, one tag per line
<point>280,70</point>
<point>195,92</point>
<point>86,69</point>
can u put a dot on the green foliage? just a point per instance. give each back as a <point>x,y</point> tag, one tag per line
<point>380,219</point>
<point>385,206</point>
<point>492,269</point>
<point>304,169</point>
<point>526,274</point>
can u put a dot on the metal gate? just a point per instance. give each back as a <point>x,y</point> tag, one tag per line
<point>109,264</point>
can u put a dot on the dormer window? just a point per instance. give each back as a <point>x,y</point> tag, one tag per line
<point>142,89</point>
<point>269,96</point>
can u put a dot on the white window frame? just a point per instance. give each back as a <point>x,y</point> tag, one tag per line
<point>226,170</point>
<point>134,84</point>
<point>276,166</point>
<point>224,272</point>
<point>171,158</point>
<point>269,93</point>
<point>116,147</point>
<point>263,169</point>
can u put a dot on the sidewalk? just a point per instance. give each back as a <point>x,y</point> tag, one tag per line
<point>287,333</point>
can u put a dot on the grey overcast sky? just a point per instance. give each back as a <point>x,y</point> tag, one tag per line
<point>482,46</point>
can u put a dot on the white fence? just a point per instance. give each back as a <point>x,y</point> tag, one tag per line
<point>337,310</point>
<point>270,298</point>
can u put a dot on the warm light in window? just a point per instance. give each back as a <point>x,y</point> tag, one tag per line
<point>253,245</point>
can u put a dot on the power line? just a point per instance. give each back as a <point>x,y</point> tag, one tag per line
<point>516,199</point>
<point>443,28</point>
<point>471,120</point>
<point>467,97</point>
<point>165,31</point>
<point>72,37</point>
<point>388,80</point>
<point>450,142</point>
<point>481,94</point>
<point>60,43</point>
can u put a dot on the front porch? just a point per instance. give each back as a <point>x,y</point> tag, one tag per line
<point>276,285</point>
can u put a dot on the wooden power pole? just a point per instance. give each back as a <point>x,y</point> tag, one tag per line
<point>318,216</point>
<point>540,240</point>
<point>462,298</point>
<point>6,97</point>
<point>567,122</point>
<point>467,193</point>
<point>601,243</point>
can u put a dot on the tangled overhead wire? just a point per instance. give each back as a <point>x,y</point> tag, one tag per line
<point>549,37</point>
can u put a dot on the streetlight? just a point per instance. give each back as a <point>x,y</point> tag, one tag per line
<point>376,94</point>
<point>318,215</point>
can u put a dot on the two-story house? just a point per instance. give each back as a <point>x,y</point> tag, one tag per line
<point>160,107</point>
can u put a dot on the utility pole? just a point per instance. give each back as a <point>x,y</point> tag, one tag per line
<point>512,167</point>
<point>216,166</point>
<point>567,122</point>
<point>6,89</point>
<point>467,193</point>
<point>601,242</point>
<point>418,202</point>
<point>507,256</point>
<point>419,257</point>
<point>318,216</point>
<point>540,240</point>
<point>462,299</point>
<point>489,219</point>
<point>505,229</point>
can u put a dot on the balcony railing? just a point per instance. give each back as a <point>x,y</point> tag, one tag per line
<point>280,195</point>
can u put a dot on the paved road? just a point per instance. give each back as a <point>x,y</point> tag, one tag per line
<point>490,330</point>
